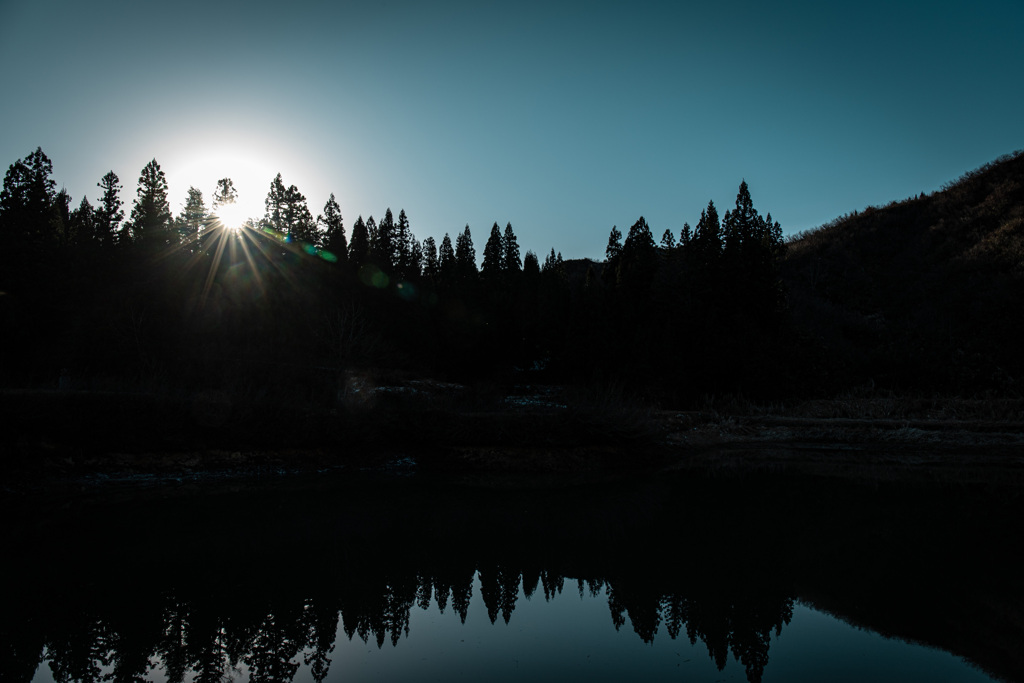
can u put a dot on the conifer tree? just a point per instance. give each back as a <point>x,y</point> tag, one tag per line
<point>446,259</point>
<point>431,266</point>
<point>151,213</point>
<point>707,236</point>
<point>60,217</point>
<point>224,194</point>
<point>493,261</point>
<point>741,227</point>
<point>405,244</point>
<point>27,199</point>
<point>372,235</point>
<point>359,247</point>
<point>465,255</point>
<point>330,225</point>
<point>109,213</point>
<point>771,233</point>
<point>275,205</point>
<point>612,257</point>
<point>83,223</point>
<point>531,264</point>
<point>614,249</point>
<point>510,251</point>
<point>685,235</point>
<point>638,261</point>
<point>192,219</point>
<point>668,241</point>
<point>415,264</point>
<point>297,220</point>
<point>383,244</point>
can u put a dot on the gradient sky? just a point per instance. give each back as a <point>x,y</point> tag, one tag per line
<point>561,118</point>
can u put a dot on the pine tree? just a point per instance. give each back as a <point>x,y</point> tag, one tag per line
<point>296,219</point>
<point>151,213</point>
<point>382,247</point>
<point>707,236</point>
<point>493,261</point>
<point>465,255</point>
<point>668,241</point>
<point>330,225</point>
<point>415,265</point>
<point>446,259</point>
<point>406,262</point>
<point>741,227</point>
<point>84,223</point>
<point>359,247</point>
<point>431,266</point>
<point>60,217</point>
<point>27,200</point>
<point>531,264</point>
<point>109,213</point>
<point>225,194</point>
<point>192,219</point>
<point>771,233</point>
<point>510,251</point>
<point>275,205</point>
<point>612,258</point>
<point>685,235</point>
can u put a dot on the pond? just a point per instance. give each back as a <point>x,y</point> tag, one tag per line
<point>363,576</point>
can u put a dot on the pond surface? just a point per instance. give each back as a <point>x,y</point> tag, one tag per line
<point>371,577</point>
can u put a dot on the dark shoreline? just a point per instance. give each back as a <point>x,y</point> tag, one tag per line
<point>75,440</point>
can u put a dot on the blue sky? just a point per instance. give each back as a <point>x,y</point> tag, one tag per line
<point>561,118</point>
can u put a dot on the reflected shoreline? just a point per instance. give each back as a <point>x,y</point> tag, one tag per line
<point>717,559</point>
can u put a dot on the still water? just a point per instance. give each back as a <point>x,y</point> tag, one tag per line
<point>374,577</point>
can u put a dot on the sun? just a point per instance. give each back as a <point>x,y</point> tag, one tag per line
<point>203,165</point>
<point>232,216</point>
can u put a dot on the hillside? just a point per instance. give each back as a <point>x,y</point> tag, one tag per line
<point>922,294</point>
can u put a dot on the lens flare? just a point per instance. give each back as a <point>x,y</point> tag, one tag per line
<point>231,215</point>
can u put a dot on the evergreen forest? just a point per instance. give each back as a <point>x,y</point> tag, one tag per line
<point>920,296</point>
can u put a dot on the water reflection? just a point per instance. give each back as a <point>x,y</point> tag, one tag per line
<point>263,582</point>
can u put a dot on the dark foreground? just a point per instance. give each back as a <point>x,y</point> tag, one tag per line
<point>268,580</point>
<point>69,440</point>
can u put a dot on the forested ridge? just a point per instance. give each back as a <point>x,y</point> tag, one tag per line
<point>920,295</point>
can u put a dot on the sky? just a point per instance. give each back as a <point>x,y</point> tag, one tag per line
<point>561,118</point>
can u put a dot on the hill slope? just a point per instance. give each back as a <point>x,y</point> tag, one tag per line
<point>925,293</point>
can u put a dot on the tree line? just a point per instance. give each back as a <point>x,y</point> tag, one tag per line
<point>710,298</point>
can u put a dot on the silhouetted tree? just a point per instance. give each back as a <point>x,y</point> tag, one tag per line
<point>638,261</point>
<point>60,217</point>
<point>405,244</point>
<point>109,213</point>
<point>224,194</point>
<point>685,235</point>
<point>83,223</point>
<point>531,264</point>
<point>415,265</point>
<point>192,219</point>
<point>446,259</point>
<point>27,199</point>
<point>668,241</point>
<point>493,262</point>
<point>465,256</point>
<point>612,257</point>
<point>382,245</point>
<point>431,266</point>
<point>150,221</point>
<point>359,248</point>
<point>296,218</point>
<point>510,251</point>
<point>330,225</point>
<point>741,226</point>
<point>275,205</point>
<point>707,237</point>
